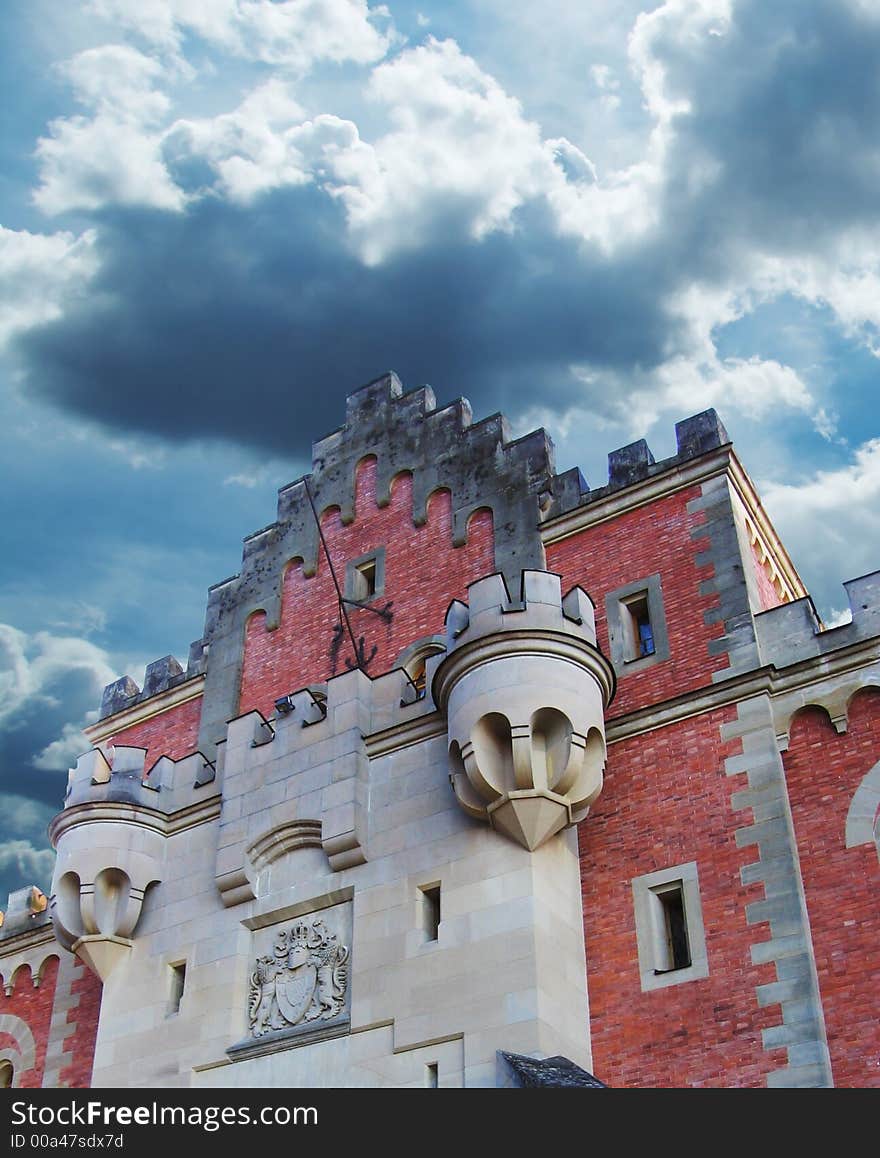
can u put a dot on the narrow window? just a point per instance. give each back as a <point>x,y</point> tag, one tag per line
<point>675,950</point>
<point>178,981</point>
<point>670,935</point>
<point>432,1076</point>
<point>7,1073</point>
<point>365,577</point>
<point>418,676</point>
<point>431,911</point>
<point>637,635</point>
<point>365,580</point>
<point>640,632</point>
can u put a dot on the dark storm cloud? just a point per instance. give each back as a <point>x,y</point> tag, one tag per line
<point>39,720</point>
<point>253,324</point>
<point>787,102</point>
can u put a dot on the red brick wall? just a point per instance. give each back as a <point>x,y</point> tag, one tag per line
<point>666,801</point>
<point>649,540</point>
<point>768,596</point>
<point>423,573</point>
<point>83,1020</point>
<point>842,885</point>
<point>33,1006</point>
<point>173,733</point>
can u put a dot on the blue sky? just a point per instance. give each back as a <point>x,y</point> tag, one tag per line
<point>219,217</point>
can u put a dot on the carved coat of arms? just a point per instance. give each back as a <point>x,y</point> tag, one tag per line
<point>303,980</point>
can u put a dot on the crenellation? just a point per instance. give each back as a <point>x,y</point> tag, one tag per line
<point>700,434</point>
<point>629,464</point>
<point>793,631</point>
<point>160,676</point>
<point>634,463</point>
<point>26,909</point>
<point>119,695</point>
<point>116,774</point>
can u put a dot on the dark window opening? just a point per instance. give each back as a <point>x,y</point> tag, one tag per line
<point>431,911</point>
<point>432,1076</point>
<point>678,951</point>
<point>419,677</point>
<point>641,633</point>
<point>7,1073</point>
<point>178,982</point>
<point>366,582</point>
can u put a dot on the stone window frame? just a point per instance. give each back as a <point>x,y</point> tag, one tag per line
<point>615,609</point>
<point>648,933</point>
<point>352,567</point>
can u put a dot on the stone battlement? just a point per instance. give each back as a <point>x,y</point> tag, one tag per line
<point>118,775</point>
<point>539,606</point>
<point>793,631</point>
<point>26,909</point>
<point>695,436</point>
<point>160,676</point>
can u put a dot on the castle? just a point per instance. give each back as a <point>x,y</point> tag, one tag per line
<point>477,777</point>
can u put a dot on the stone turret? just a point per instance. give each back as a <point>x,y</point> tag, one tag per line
<point>110,840</point>
<point>524,687</point>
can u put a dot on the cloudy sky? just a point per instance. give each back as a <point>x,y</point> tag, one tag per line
<point>219,217</point>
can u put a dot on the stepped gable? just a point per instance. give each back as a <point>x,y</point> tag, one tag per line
<point>478,463</point>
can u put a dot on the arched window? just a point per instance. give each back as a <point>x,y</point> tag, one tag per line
<point>415,658</point>
<point>7,1073</point>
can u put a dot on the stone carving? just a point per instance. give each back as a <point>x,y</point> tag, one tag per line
<point>303,980</point>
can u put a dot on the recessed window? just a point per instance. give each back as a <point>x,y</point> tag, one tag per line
<point>7,1073</point>
<point>178,983</point>
<point>669,927</point>
<point>432,1075</point>
<point>637,634</point>
<point>414,661</point>
<point>639,631</point>
<point>430,906</point>
<point>419,675</point>
<point>673,952</point>
<point>365,577</point>
<point>365,580</point>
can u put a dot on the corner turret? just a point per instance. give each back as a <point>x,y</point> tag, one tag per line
<point>524,686</point>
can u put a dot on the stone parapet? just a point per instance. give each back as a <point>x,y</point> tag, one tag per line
<point>794,632</point>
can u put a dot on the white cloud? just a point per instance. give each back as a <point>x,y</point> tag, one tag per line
<point>112,157</point>
<point>33,864</point>
<point>608,85</point>
<point>63,752</point>
<point>34,670</point>
<point>294,34</point>
<point>829,517</point>
<point>459,150</point>
<point>855,486</point>
<point>41,273</point>
<point>685,384</point>
<point>252,149</point>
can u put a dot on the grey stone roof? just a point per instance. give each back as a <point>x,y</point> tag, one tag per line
<point>549,1072</point>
